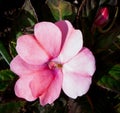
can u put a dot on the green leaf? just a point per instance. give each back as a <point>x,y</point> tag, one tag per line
<point>111,81</point>
<point>11,107</point>
<point>117,103</point>
<point>23,24</point>
<point>117,108</point>
<point>12,48</point>
<point>60,8</point>
<point>4,53</point>
<point>25,20</point>
<point>108,41</point>
<point>29,8</point>
<point>6,78</point>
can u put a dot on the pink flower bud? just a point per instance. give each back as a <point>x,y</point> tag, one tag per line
<point>101,18</point>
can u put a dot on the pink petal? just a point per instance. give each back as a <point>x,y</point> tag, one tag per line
<point>41,82</point>
<point>53,91</point>
<point>74,84</point>
<point>30,50</point>
<point>77,73</point>
<point>72,46</point>
<point>49,36</point>
<point>22,68</point>
<point>83,63</point>
<point>23,90</point>
<point>66,29</point>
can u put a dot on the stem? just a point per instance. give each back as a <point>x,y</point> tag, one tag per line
<point>60,14</point>
<point>79,10</point>
<point>90,102</point>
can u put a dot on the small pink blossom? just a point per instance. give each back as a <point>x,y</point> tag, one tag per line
<point>51,59</point>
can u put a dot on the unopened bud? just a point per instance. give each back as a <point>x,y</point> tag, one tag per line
<point>102,17</point>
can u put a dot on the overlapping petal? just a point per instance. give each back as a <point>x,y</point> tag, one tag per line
<point>83,63</point>
<point>78,73</point>
<point>53,91</point>
<point>72,40</point>
<point>22,88</point>
<point>66,29</point>
<point>49,37</point>
<point>21,68</point>
<point>72,46</point>
<point>30,51</point>
<point>41,81</point>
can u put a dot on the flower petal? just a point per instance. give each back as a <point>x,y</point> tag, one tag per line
<point>23,90</point>
<point>66,29</point>
<point>83,63</point>
<point>22,68</point>
<point>30,51</point>
<point>78,73</point>
<point>41,82</point>
<point>53,90</point>
<point>49,36</point>
<point>74,84</point>
<point>72,46</point>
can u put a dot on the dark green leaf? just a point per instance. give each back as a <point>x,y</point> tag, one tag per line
<point>117,108</point>
<point>6,77</point>
<point>25,20</point>
<point>11,107</point>
<point>88,7</point>
<point>29,8</point>
<point>81,105</point>
<point>4,53</point>
<point>23,24</point>
<point>117,104</point>
<point>110,2</point>
<point>12,48</point>
<point>60,8</point>
<point>111,81</point>
<point>108,41</point>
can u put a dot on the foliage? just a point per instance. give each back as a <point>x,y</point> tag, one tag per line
<point>18,17</point>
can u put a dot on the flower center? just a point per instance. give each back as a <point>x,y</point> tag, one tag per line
<point>54,65</point>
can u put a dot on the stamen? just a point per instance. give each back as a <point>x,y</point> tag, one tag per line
<point>53,65</point>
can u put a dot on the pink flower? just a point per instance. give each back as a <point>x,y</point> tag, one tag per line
<point>50,60</point>
<point>102,17</point>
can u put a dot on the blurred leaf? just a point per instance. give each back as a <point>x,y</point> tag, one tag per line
<point>12,48</point>
<point>25,20</point>
<point>117,104</point>
<point>88,8</point>
<point>108,41</point>
<point>101,100</point>
<point>111,81</point>
<point>4,53</point>
<point>117,108</point>
<point>110,2</point>
<point>80,105</point>
<point>57,107</point>
<point>23,24</point>
<point>29,8</point>
<point>6,77</point>
<point>60,8</point>
<point>11,107</point>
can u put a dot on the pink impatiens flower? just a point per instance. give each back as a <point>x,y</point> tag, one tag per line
<point>51,59</point>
